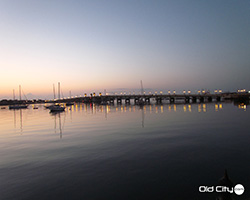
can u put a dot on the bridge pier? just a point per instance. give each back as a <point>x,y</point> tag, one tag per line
<point>159,100</point>
<point>187,100</point>
<point>111,101</point>
<point>210,99</point>
<point>119,101</point>
<point>218,98</point>
<point>202,99</point>
<point>194,100</point>
<point>136,100</point>
<point>127,101</point>
<point>172,100</point>
<point>147,100</point>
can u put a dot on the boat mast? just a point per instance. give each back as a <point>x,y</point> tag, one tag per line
<point>20,92</point>
<point>54,91</point>
<point>58,90</point>
<point>13,94</point>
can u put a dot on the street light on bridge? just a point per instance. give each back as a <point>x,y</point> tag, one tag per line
<point>184,91</point>
<point>189,91</point>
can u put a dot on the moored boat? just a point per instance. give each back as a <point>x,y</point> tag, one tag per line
<point>18,106</point>
<point>69,104</point>
<point>56,108</point>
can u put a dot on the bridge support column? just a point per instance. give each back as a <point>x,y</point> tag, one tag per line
<point>194,100</point>
<point>172,100</point>
<point>136,101</point>
<point>187,100</point>
<point>147,100</point>
<point>201,99</point>
<point>127,101</point>
<point>210,99</point>
<point>218,98</point>
<point>159,100</point>
<point>119,101</point>
<point>111,101</point>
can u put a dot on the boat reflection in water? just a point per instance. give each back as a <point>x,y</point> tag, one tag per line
<point>57,115</point>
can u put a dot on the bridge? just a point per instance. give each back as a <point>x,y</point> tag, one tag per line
<point>147,98</point>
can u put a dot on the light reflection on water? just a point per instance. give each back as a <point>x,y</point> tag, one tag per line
<point>123,152</point>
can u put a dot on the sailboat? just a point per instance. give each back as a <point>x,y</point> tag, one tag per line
<point>57,107</point>
<point>54,92</point>
<point>18,106</point>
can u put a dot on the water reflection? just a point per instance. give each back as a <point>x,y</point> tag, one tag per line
<point>242,106</point>
<point>156,147</point>
<point>20,119</point>
<point>57,117</point>
<point>142,116</point>
<point>107,110</point>
<point>156,108</point>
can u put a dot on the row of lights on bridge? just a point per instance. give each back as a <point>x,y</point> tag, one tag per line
<point>169,92</point>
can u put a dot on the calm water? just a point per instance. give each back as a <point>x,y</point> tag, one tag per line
<point>123,152</point>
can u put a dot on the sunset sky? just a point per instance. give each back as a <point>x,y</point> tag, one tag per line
<point>96,45</point>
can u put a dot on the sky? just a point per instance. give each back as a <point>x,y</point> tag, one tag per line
<point>92,45</point>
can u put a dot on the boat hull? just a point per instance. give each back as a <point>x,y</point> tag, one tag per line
<point>18,107</point>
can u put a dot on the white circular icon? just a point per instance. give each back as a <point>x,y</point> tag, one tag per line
<point>239,189</point>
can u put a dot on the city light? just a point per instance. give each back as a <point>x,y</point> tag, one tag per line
<point>241,90</point>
